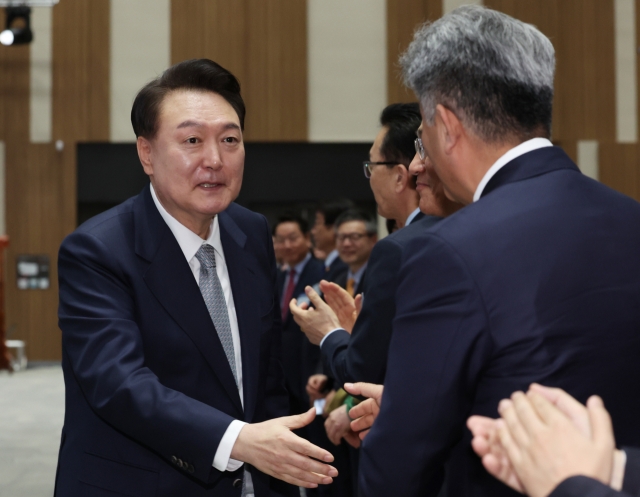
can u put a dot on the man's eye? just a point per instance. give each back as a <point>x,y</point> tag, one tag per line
<point>230,139</point>
<point>193,139</point>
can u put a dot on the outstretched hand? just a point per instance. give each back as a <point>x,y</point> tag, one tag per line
<point>366,412</point>
<point>273,449</point>
<point>343,305</point>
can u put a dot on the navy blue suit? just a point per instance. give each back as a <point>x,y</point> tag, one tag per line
<point>336,270</point>
<point>301,358</point>
<point>362,355</point>
<point>581,486</point>
<point>537,281</point>
<point>149,390</point>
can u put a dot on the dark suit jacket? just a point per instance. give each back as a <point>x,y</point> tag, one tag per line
<point>537,281</point>
<point>149,391</point>
<point>337,269</point>
<point>581,486</point>
<point>341,280</point>
<point>362,356</point>
<point>301,358</point>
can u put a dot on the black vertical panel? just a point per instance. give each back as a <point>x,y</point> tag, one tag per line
<point>277,176</point>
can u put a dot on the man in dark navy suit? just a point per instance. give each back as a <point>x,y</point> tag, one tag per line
<point>536,279</point>
<point>171,322</point>
<point>323,234</point>
<point>406,190</point>
<point>300,358</point>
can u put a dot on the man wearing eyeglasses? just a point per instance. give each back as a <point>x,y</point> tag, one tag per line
<point>356,234</point>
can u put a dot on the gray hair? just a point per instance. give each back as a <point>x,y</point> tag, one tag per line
<point>493,71</point>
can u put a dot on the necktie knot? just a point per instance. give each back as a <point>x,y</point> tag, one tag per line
<point>207,256</point>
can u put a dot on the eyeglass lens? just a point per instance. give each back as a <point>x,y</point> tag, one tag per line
<point>419,148</point>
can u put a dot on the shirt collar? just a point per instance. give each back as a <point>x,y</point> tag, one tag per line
<point>189,242</point>
<point>523,148</point>
<point>412,216</point>
<point>331,257</point>
<point>358,274</point>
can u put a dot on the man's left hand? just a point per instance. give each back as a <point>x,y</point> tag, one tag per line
<point>316,322</point>
<point>338,426</point>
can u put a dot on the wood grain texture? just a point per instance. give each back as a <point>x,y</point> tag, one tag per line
<point>264,44</point>
<point>41,182</point>
<point>619,167</point>
<point>403,18</point>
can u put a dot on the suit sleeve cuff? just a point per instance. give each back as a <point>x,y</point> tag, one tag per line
<point>325,337</point>
<point>222,460</point>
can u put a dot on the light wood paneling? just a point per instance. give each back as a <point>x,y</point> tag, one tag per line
<point>264,45</point>
<point>619,167</point>
<point>403,17</point>
<point>582,32</point>
<point>41,182</point>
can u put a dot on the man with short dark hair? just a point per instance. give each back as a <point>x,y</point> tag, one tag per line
<point>356,234</point>
<point>300,359</point>
<point>536,279</point>
<point>170,323</point>
<point>324,235</point>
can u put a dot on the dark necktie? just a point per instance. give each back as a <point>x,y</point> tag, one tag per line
<point>288,294</point>
<point>213,295</point>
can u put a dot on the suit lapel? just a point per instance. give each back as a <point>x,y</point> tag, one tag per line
<point>535,163</point>
<point>242,268</point>
<point>171,281</point>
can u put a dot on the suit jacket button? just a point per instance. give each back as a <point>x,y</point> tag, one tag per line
<point>191,469</point>
<point>174,459</point>
<point>180,463</point>
<point>237,483</point>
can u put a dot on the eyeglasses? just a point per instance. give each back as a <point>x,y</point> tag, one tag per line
<point>352,237</point>
<point>420,148</point>
<point>367,166</point>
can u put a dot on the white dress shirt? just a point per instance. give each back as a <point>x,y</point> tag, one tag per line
<point>523,148</point>
<point>190,243</point>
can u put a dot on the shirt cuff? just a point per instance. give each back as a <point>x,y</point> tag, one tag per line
<point>325,337</point>
<point>222,460</point>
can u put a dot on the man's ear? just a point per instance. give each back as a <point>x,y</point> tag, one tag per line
<point>402,177</point>
<point>144,153</point>
<point>449,128</point>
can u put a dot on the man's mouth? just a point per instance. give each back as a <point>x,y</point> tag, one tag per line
<point>210,185</point>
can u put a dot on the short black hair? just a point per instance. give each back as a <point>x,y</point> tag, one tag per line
<point>194,74</point>
<point>402,122</point>
<point>333,208</point>
<point>292,218</point>
<point>357,215</point>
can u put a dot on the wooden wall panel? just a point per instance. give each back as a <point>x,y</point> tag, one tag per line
<point>582,32</point>
<point>264,44</point>
<point>41,182</point>
<point>619,167</point>
<point>403,17</point>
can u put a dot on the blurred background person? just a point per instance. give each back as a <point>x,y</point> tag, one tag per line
<point>323,235</point>
<point>356,234</point>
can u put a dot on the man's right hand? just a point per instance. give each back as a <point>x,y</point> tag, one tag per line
<point>344,305</point>
<point>273,449</point>
<point>365,413</point>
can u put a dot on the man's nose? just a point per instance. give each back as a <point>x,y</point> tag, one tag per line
<point>212,156</point>
<point>417,165</point>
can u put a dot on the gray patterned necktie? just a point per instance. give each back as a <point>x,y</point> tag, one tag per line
<point>213,295</point>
